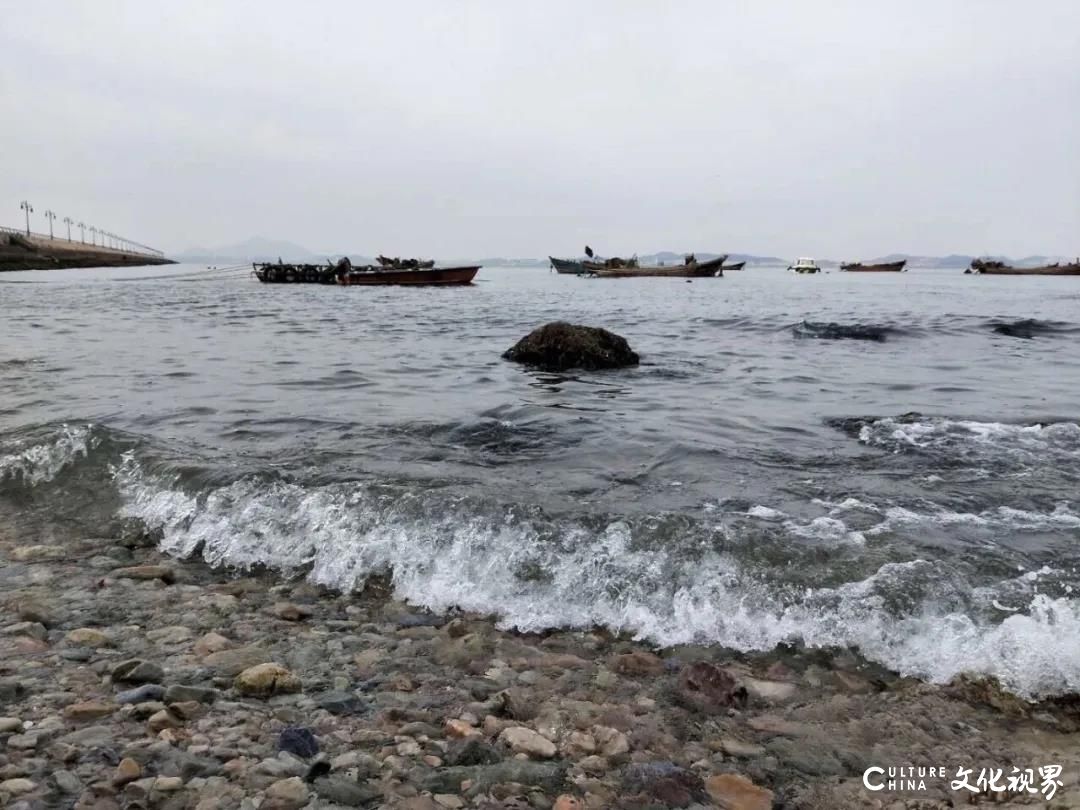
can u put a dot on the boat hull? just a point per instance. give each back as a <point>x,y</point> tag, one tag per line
<point>441,276</point>
<point>736,266</point>
<point>883,267</point>
<point>363,277</point>
<point>1072,269</point>
<point>567,266</point>
<point>709,269</point>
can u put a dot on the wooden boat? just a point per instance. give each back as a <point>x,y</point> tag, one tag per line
<point>436,276</point>
<point>883,267</point>
<point>567,266</point>
<point>344,273</point>
<point>992,268</point>
<point>736,266</point>
<point>691,268</point>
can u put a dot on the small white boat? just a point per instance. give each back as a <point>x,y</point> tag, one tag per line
<point>805,265</point>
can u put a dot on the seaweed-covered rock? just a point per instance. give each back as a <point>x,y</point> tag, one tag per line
<point>560,346</point>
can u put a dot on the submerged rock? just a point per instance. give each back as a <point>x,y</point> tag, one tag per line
<point>560,346</point>
<point>299,741</point>
<point>664,782</point>
<point>707,688</point>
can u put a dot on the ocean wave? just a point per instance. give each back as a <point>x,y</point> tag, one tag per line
<point>970,440</point>
<point>1029,328</point>
<point>535,572</point>
<point>829,330</point>
<point>34,462</point>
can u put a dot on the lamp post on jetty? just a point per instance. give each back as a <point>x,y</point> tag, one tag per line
<point>93,237</point>
<point>82,229</point>
<point>25,206</point>
<point>50,215</point>
<point>67,221</point>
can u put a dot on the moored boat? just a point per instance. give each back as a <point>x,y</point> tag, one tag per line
<point>572,267</point>
<point>805,265</point>
<point>410,272</point>
<point>881,267</point>
<point>994,268</point>
<point>434,276</point>
<point>690,268</point>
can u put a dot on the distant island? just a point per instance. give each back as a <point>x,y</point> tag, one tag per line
<point>261,249</point>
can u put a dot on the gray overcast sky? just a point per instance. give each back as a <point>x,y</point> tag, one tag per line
<point>836,129</point>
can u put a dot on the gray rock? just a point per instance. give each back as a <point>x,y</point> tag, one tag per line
<point>137,671</point>
<point>141,694</point>
<point>189,766</point>
<point>548,776</point>
<point>24,742</point>
<point>11,690</point>
<point>90,737</point>
<point>345,792</point>
<point>471,751</point>
<point>341,703</point>
<point>814,760</point>
<point>67,782</point>
<point>179,693</point>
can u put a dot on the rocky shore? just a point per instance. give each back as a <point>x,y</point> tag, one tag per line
<point>130,680</point>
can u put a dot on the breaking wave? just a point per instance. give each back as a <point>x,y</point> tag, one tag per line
<point>1035,444</point>
<point>657,576</point>
<point>32,462</point>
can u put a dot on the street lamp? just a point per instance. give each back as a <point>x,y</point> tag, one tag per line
<point>50,215</point>
<point>25,206</point>
<point>67,221</point>
<point>82,229</point>
<point>93,237</point>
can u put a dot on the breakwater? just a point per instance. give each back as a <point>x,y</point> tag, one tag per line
<point>21,252</point>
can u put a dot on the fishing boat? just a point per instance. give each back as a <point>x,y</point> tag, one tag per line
<point>881,267</point>
<point>690,268</point>
<point>805,265</point>
<point>993,268</point>
<point>736,266</point>
<point>572,267</point>
<point>403,272</point>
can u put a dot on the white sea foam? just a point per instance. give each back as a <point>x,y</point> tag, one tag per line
<point>443,551</point>
<point>39,463</point>
<point>1035,444</point>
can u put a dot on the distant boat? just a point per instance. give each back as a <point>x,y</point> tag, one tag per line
<point>805,265</point>
<point>883,267</point>
<point>992,268</point>
<point>736,266</point>
<point>690,268</point>
<point>571,267</point>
